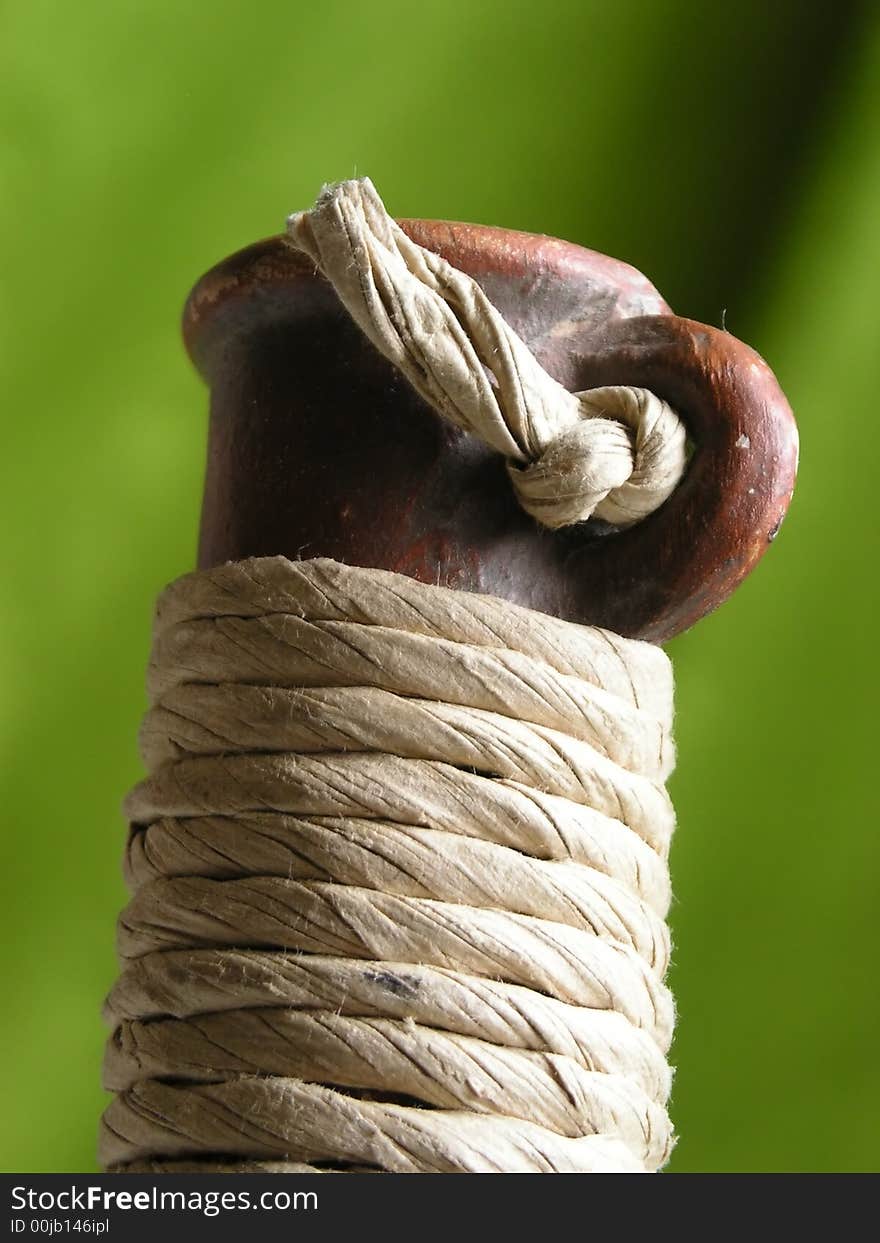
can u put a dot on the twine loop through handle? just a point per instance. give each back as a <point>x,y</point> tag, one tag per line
<point>615,453</point>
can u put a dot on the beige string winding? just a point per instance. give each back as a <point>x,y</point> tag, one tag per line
<point>399,875</point>
<point>399,865</point>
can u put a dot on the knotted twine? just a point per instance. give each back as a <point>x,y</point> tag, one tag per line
<point>616,453</point>
<point>399,865</point>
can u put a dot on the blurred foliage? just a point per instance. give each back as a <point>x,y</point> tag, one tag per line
<point>733,153</point>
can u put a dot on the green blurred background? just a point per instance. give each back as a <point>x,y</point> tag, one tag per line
<point>730,151</point>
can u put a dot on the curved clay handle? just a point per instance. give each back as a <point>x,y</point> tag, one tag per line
<point>319,448</point>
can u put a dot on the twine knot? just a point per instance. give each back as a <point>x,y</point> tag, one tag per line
<point>619,461</point>
<point>616,453</point>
